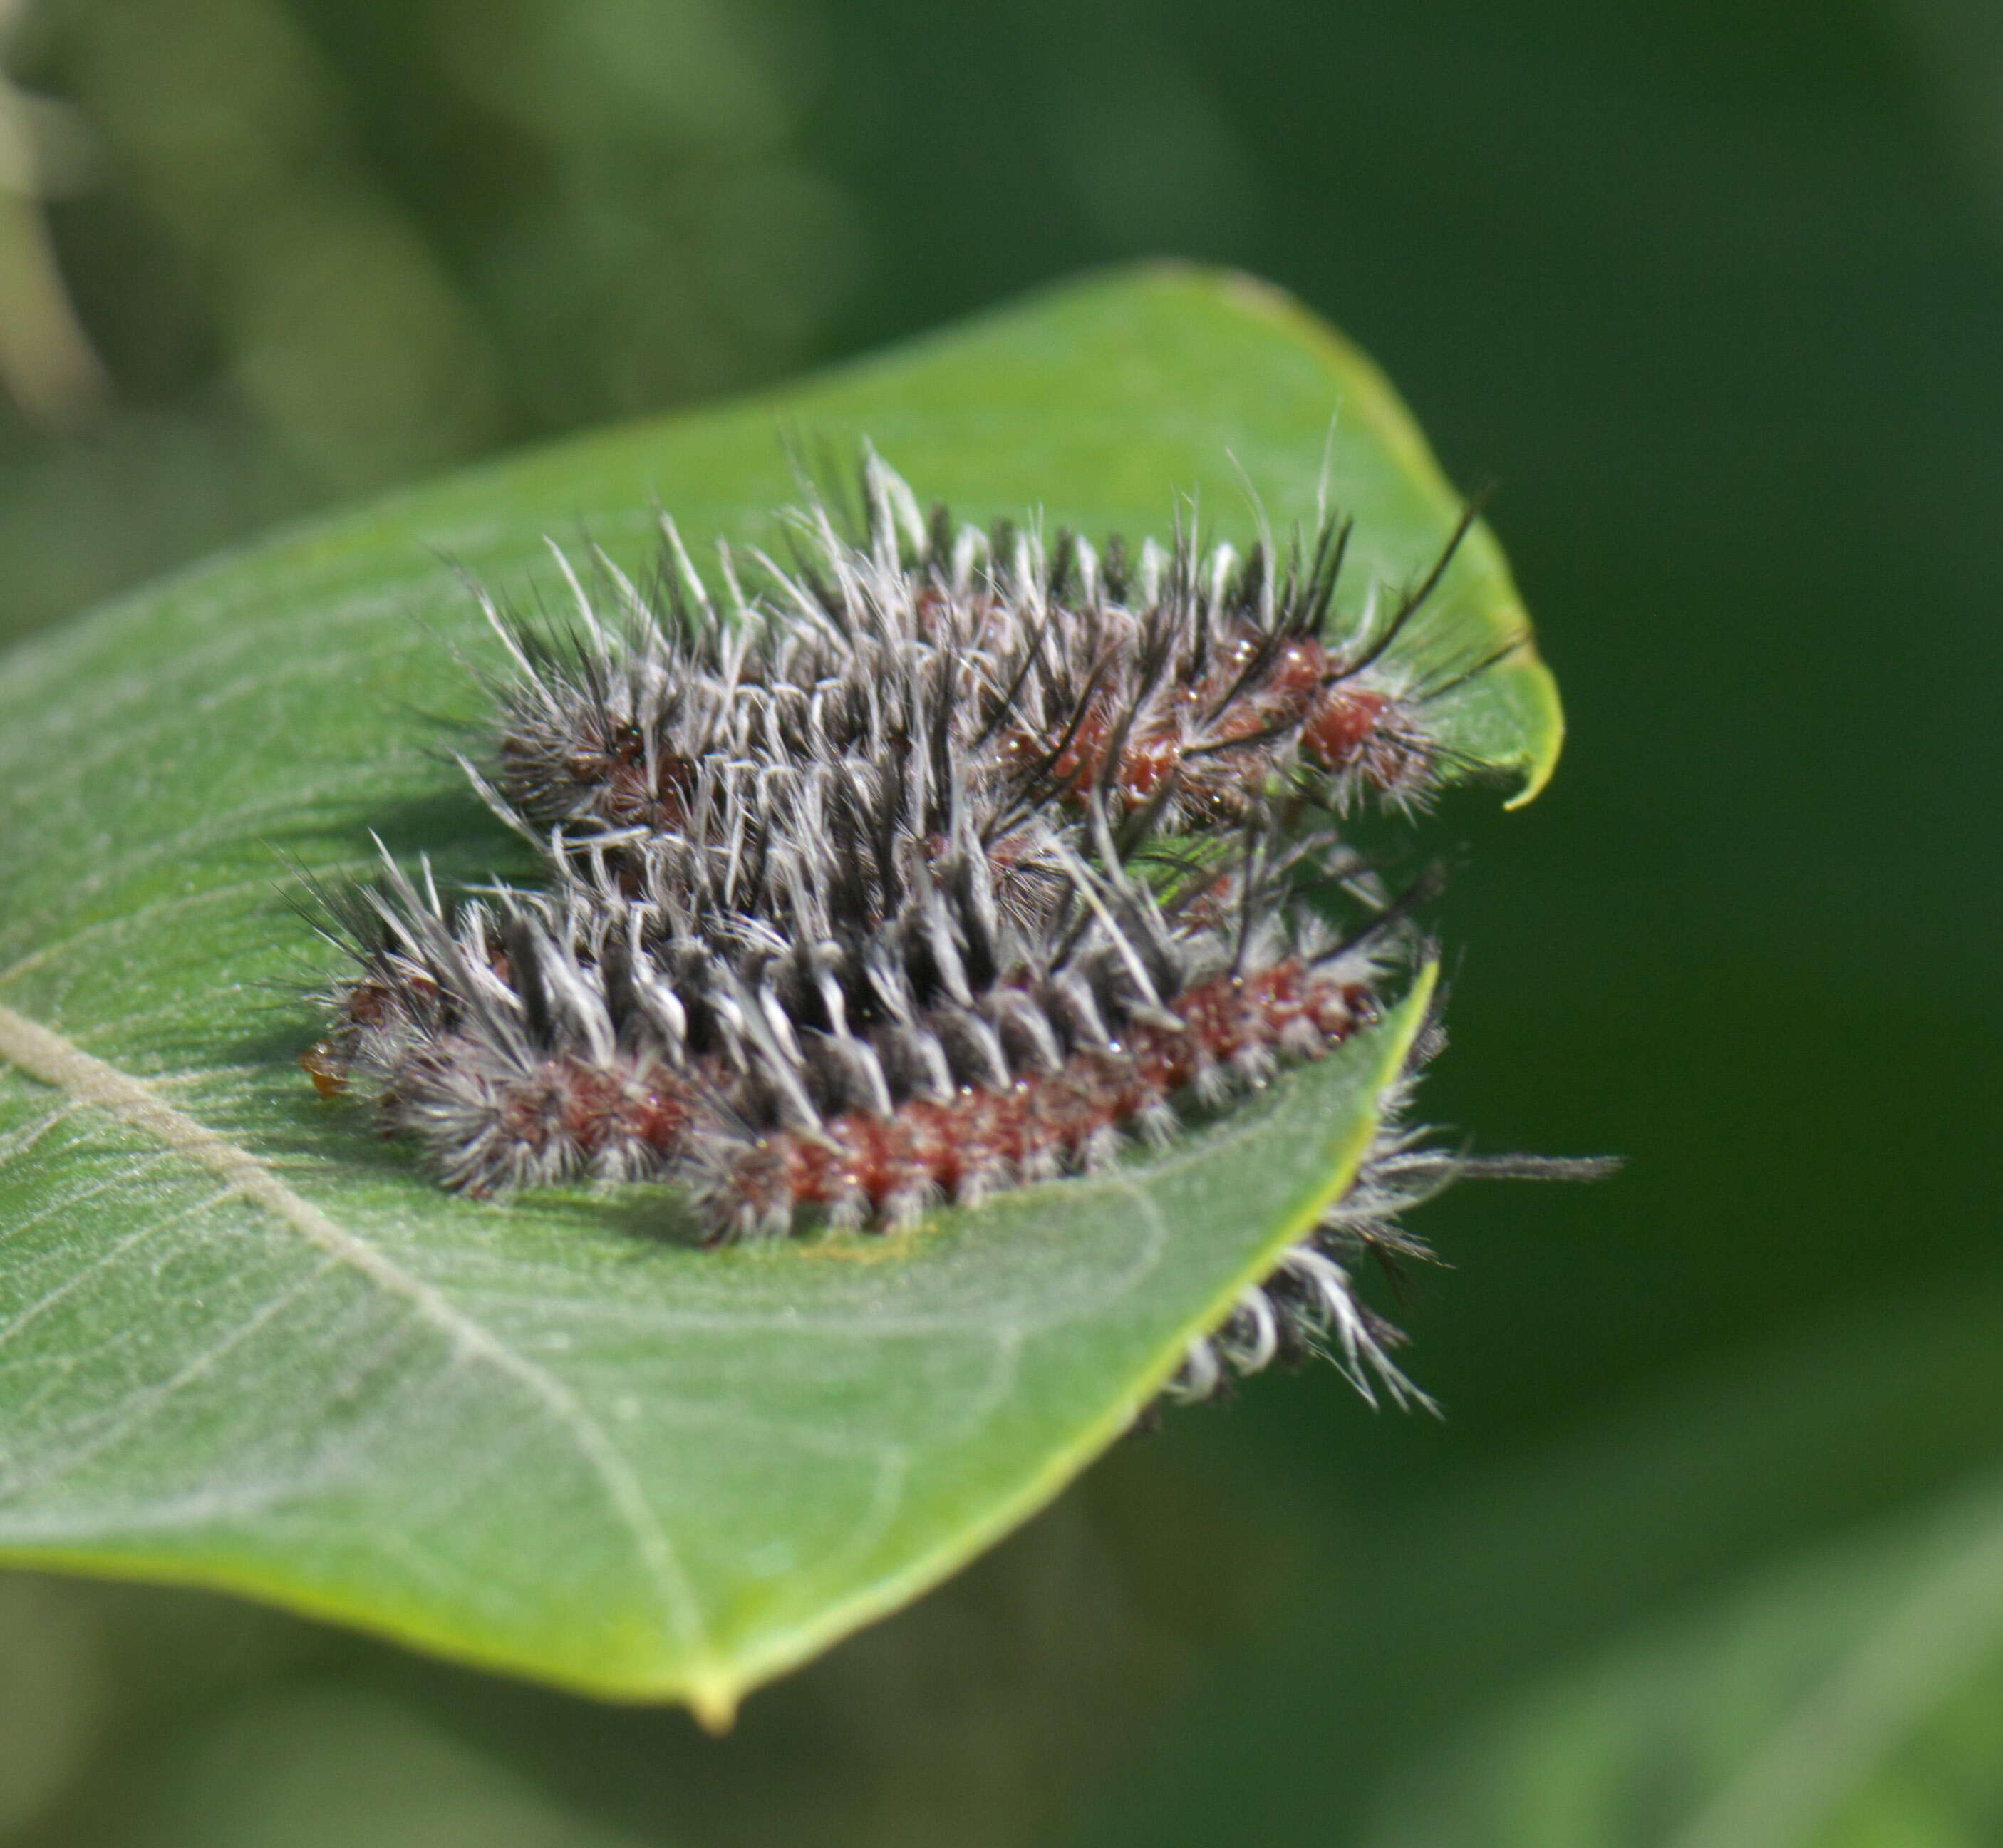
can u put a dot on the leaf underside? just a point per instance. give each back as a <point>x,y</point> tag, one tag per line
<point>242,1342</point>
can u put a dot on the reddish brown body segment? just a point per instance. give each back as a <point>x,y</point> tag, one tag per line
<point>638,791</point>
<point>590,1108</point>
<point>1300,693</point>
<point>1046,1122</point>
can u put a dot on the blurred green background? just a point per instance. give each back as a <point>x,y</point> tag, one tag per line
<point>1708,1551</point>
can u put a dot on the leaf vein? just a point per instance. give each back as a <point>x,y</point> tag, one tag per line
<point>56,1061</point>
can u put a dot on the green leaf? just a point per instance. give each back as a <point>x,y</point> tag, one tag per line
<point>242,1342</point>
<point>1846,1699</point>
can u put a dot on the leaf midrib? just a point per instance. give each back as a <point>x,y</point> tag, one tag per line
<point>48,1057</point>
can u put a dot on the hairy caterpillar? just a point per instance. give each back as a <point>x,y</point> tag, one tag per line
<point>522,1037</point>
<point>1190,685</point>
<point>939,863</point>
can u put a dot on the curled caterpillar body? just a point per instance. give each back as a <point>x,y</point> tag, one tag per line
<point>522,1039</point>
<point>1014,674</point>
<point>855,1072</point>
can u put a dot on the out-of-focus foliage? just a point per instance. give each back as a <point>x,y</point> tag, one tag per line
<point>323,246</point>
<point>46,360</point>
<point>1849,1699</point>
<point>1712,291</point>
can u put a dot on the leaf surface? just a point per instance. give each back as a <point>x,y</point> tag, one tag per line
<point>242,1342</point>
